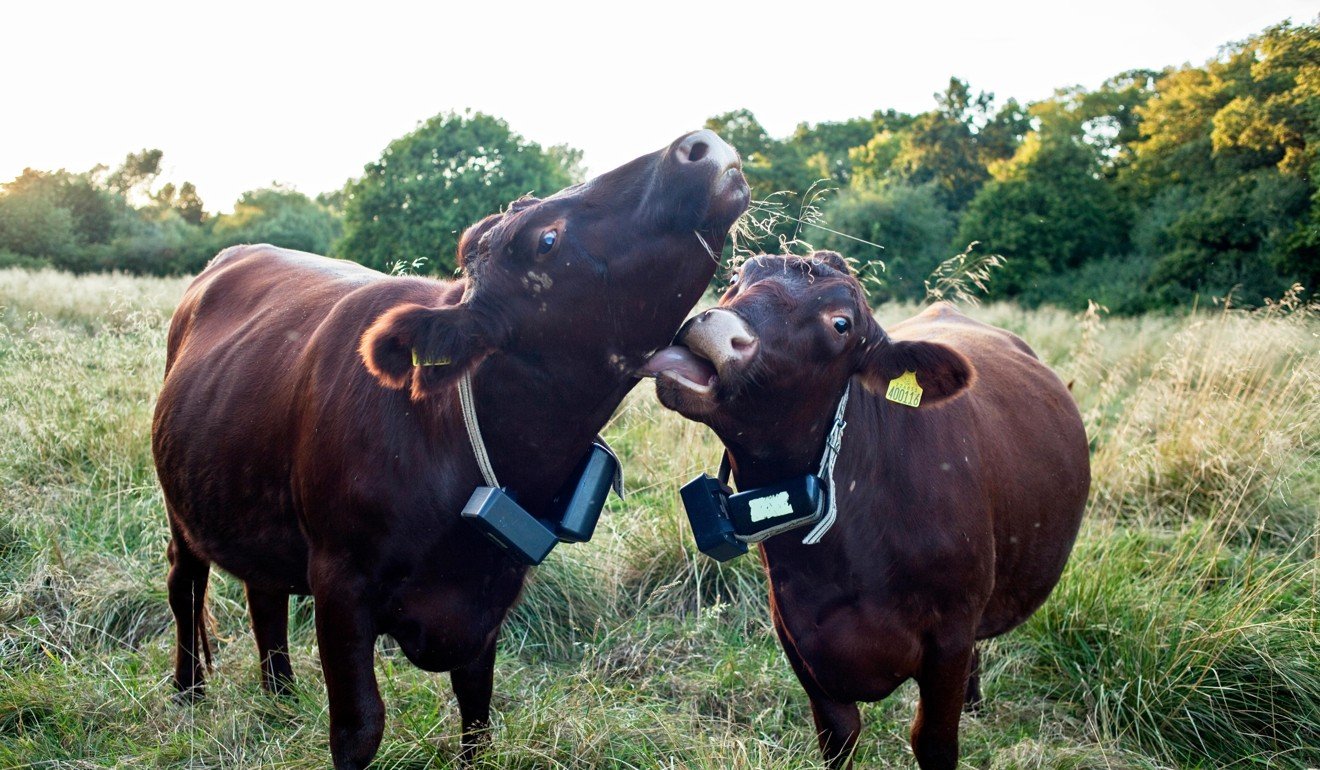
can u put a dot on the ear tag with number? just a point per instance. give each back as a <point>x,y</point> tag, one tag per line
<point>419,362</point>
<point>904,390</point>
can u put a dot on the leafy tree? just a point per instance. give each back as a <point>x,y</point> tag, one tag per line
<point>826,146</point>
<point>1239,138</point>
<point>999,138</point>
<point>1047,210</point>
<point>1111,122</point>
<point>430,185</point>
<point>942,146</point>
<point>35,227</point>
<point>910,223</point>
<point>872,160</point>
<point>93,210</point>
<point>136,173</point>
<point>183,200</point>
<point>1226,238</point>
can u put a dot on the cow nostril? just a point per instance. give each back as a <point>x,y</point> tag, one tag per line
<point>743,345</point>
<point>697,151</point>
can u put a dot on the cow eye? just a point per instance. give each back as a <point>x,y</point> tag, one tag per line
<point>547,241</point>
<point>841,324</point>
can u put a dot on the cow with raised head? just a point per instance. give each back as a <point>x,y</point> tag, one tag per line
<point>309,438</point>
<point>956,506</point>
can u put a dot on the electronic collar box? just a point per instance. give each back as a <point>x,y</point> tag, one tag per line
<point>495,513</point>
<point>703,499</point>
<point>576,509</point>
<point>767,511</point>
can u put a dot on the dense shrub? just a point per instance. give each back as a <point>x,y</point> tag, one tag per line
<point>281,217</point>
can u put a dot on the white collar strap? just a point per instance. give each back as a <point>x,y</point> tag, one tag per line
<point>469,406</point>
<point>833,443</point>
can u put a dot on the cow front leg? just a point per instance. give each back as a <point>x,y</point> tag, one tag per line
<point>838,724</point>
<point>972,701</point>
<point>270,625</point>
<point>473,685</point>
<point>346,635</point>
<point>943,684</point>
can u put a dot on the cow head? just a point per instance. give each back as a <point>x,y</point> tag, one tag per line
<point>772,360</point>
<point>599,274</point>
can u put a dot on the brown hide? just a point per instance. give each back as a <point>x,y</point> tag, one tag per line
<point>955,518</point>
<point>300,450</point>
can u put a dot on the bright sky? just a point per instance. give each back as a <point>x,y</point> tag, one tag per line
<point>239,94</point>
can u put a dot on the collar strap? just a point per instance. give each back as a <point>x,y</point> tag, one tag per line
<point>833,444</point>
<point>469,407</point>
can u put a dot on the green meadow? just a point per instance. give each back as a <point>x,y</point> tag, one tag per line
<point>1184,634</point>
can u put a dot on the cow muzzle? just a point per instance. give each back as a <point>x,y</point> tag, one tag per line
<point>713,345</point>
<point>721,337</point>
<point>705,147</point>
<point>704,155</point>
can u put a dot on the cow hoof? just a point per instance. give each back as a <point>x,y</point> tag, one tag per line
<point>974,704</point>
<point>189,696</point>
<point>280,688</point>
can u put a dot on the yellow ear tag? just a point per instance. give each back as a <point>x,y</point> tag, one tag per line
<point>904,390</point>
<point>418,362</point>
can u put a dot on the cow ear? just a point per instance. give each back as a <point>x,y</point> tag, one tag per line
<point>941,371</point>
<point>424,349</point>
<point>834,259</point>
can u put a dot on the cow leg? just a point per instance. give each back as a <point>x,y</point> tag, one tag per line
<point>943,684</point>
<point>472,685</point>
<point>346,635</point>
<point>838,724</point>
<point>270,625</point>
<point>186,583</point>
<point>972,700</point>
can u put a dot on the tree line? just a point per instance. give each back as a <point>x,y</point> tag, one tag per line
<point>1149,191</point>
<point>1156,189</point>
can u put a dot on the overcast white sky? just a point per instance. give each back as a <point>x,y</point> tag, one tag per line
<point>239,94</point>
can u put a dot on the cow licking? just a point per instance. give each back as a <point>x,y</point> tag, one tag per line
<point>309,436</point>
<point>956,471</point>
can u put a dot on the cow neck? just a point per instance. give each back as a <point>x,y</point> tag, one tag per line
<point>824,469</point>
<point>534,428</point>
<point>774,449</point>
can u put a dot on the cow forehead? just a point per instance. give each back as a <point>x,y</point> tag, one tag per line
<point>793,269</point>
<point>799,285</point>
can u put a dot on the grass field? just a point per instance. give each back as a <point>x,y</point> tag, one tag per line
<point>1185,632</point>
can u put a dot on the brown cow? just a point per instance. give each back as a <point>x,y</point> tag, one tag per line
<point>301,450</point>
<point>955,518</point>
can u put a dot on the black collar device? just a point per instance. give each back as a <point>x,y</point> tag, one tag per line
<point>723,523</point>
<point>571,516</point>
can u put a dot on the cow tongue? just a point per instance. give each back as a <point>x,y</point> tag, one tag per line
<point>681,362</point>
